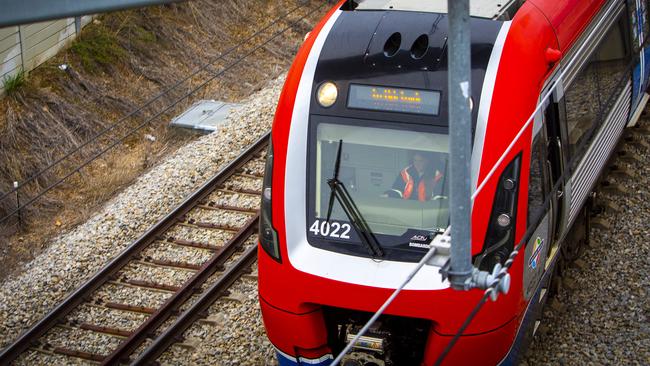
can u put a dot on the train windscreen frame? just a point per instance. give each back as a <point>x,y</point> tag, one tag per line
<point>403,226</point>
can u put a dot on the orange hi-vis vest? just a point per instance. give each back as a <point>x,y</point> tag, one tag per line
<point>422,186</point>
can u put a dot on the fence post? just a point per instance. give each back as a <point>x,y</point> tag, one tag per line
<point>20,216</point>
<point>21,41</point>
<point>77,26</point>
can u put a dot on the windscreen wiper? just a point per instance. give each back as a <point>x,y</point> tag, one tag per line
<point>341,193</point>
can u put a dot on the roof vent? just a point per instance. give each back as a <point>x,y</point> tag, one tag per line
<point>392,44</point>
<point>420,47</point>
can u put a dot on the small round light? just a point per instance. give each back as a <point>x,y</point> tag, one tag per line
<point>503,220</point>
<point>267,194</point>
<point>508,184</point>
<point>327,94</point>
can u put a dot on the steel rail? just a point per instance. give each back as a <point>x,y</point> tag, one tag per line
<point>54,317</point>
<point>126,348</point>
<point>198,310</point>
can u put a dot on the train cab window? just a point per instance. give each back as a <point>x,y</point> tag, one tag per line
<point>395,174</point>
<point>592,93</point>
<point>536,180</point>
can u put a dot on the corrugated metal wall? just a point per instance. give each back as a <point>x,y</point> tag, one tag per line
<point>27,46</point>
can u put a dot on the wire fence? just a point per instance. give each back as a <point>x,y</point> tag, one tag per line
<point>18,187</point>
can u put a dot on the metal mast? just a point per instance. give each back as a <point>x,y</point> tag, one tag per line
<point>460,144</point>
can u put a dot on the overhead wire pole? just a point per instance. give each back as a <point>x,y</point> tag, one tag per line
<point>459,270</point>
<point>460,144</point>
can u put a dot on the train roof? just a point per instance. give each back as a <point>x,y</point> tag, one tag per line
<point>490,9</point>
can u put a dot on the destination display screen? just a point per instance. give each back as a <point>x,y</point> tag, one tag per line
<point>389,99</point>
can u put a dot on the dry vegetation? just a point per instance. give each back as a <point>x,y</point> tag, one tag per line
<point>121,61</point>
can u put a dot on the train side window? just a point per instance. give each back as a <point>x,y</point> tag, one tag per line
<point>582,103</point>
<point>536,181</point>
<point>593,92</point>
<point>610,64</point>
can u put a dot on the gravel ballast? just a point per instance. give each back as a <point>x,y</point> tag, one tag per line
<point>73,257</point>
<point>605,317</point>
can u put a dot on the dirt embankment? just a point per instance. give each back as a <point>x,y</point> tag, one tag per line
<point>119,63</point>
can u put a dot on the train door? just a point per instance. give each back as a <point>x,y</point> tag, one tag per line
<point>542,208</point>
<point>556,161</point>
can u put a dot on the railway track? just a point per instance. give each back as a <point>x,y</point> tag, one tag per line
<point>147,287</point>
<point>232,252</point>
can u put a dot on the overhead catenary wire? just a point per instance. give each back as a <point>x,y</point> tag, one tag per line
<point>148,103</point>
<point>146,122</point>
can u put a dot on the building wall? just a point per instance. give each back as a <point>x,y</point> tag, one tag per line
<point>23,48</point>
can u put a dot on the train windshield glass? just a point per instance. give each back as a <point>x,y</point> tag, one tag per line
<point>397,177</point>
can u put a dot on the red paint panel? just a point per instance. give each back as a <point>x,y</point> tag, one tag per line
<point>289,331</point>
<point>521,74</point>
<point>297,292</point>
<point>484,349</point>
<point>568,17</point>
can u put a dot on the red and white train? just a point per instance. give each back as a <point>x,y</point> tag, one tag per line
<point>364,108</point>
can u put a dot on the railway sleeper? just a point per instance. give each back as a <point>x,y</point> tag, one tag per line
<point>570,284</point>
<point>190,345</point>
<point>643,129</point>
<point>173,264</point>
<point>79,354</point>
<point>106,330</point>
<point>235,297</point>
<point>211,205</point>
<point>601,223</point>
<point>151,285</point>
<point>628,157</point>
<point>212,225</point>
<point>636,141</point>
<point>131,308</point>
<point>191,243</point>
<point>613,188</point>
<point>214,320</point>
<point>620,172</point>
<point>580,264</point>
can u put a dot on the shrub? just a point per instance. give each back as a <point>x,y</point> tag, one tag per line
<point>12,83</point>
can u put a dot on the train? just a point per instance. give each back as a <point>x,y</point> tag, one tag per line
<point>356,181</point>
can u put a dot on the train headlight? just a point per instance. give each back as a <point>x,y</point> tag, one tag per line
<point>503,220</point>
<point>268,236</point>
<point>327,94</point>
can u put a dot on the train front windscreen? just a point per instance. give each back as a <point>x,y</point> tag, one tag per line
<point>394,177</point>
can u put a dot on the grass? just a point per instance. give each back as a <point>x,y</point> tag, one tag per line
<point>98,49</point>
<point>144,35</point>
<point>12,83</point>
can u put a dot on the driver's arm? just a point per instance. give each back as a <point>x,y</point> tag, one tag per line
<point>397,190</point>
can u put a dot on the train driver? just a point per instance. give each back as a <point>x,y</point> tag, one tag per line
<point>418,181</point>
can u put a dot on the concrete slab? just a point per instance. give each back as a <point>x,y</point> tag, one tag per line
<point>204,115</point>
